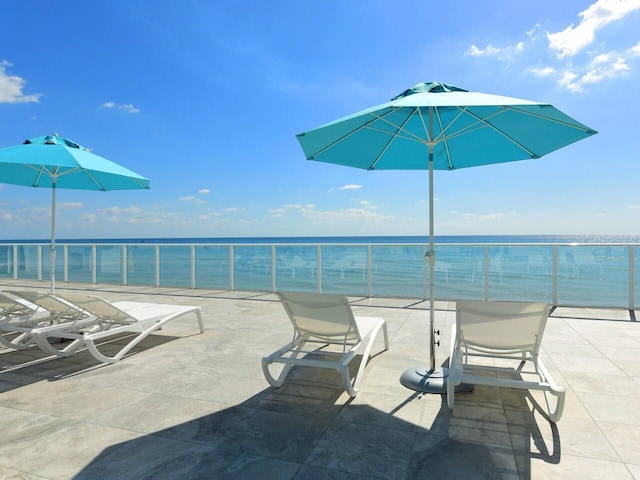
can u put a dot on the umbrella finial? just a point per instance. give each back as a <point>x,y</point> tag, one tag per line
<point>431,87</point>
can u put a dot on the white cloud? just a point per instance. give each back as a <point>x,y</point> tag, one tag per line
<point>189,198</point>
<point>487,217</point>
<point>489,50</point>
<point>68,205</point>
<point>204,191</point>
<point>350,187</point>
<point>554,55</point>
<point>346,214</point>
<point>543,72</point>
<point>574,39</point>
<point>601,67</point>
<point>11,87</point>
<point>127,107</point>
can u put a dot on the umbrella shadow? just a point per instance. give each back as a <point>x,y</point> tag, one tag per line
<point>309,428</point>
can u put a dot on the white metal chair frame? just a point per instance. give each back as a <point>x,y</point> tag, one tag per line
<point>325,320</point>
<point>503,323</point>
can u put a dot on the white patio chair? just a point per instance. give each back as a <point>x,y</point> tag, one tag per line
<point>501,330</point>
<point>97,319</point>
<point>324,320</point>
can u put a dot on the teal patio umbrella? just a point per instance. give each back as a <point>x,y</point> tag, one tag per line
<point>436,126</point>
<point>54,162</point>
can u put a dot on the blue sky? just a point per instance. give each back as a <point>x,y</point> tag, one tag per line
<point>205,99</point>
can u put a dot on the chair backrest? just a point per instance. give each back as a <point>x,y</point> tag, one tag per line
<point>13,307</point>
<point>508,326</point>
<point>97,306</point>
<point>55,306</point>
<point>320,315</point>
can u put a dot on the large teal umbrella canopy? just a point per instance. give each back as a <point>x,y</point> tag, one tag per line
<point>436,126</point>
<point>54,162</point>
<point>466,129</point>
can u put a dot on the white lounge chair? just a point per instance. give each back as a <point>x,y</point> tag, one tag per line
<point>17,311</point>
<point>501,330</point>
<point>101,319</point>
<point>48,312</point>
<point>325,320</point>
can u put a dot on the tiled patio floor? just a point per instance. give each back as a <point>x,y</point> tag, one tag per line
<point>187,405</point>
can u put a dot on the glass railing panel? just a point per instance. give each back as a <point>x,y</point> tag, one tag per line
<point>6,261</point>
<point>175,266</point>
<point>297,268</point>
<point>521,273</point>
<point>397,271</point>
<point>459,272</point>
<point>212,267</point>
<point>344,269</point>
<point>593,276</point>
<point>79,264</point>
<point>109,264</point>
<point>252,267</point>
<point>141,265</point>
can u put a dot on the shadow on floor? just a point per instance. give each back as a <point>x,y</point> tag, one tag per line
<point>306,430</point>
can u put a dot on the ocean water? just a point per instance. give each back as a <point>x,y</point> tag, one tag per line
<point>574,270</point>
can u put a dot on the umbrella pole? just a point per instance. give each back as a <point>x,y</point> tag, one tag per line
<point>52,253</point>
<point>432,265</point>
<point>428,379</point>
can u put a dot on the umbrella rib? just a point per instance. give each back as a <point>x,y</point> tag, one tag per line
<point>41,169</point>
<point>347,135</point>
<point>445,139</point>
<point>410,135</point>
<point>400,128</point>
<point>485,122</point>
<point>553,120</point>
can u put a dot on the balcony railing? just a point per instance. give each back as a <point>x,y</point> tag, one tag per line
<point>581,275</point>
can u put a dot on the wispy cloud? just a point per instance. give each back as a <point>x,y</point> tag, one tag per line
<point>11,87</point>
<point>574,39</point>
<point>574,57</point>
<point>126,107</point>
<point>350,187</point>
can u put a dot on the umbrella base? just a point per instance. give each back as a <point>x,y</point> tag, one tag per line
<point>422,379</point>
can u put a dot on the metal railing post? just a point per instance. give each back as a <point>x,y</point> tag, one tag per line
<point>65,263</point>
<point>319,267</point>
<point>15,262</point>
<point>157,268</point>
<point>632,278</point>
<point>231,266</point>
<point>124,263</point>
<point>94,264</point>
<point>486,273</point>
<point>369,271</point>
<point>554,274</point>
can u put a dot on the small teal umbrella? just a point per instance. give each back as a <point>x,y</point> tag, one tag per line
<point>435,126</point>
<point>54,162</point>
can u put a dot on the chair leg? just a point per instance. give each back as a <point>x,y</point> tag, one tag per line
<point>295,347</point>
<point>554,395</point>
<point>21,342</point>
<point>273,381</point>
<point>42,340</point>
<point>454,358</point>
<point>352,389</point>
